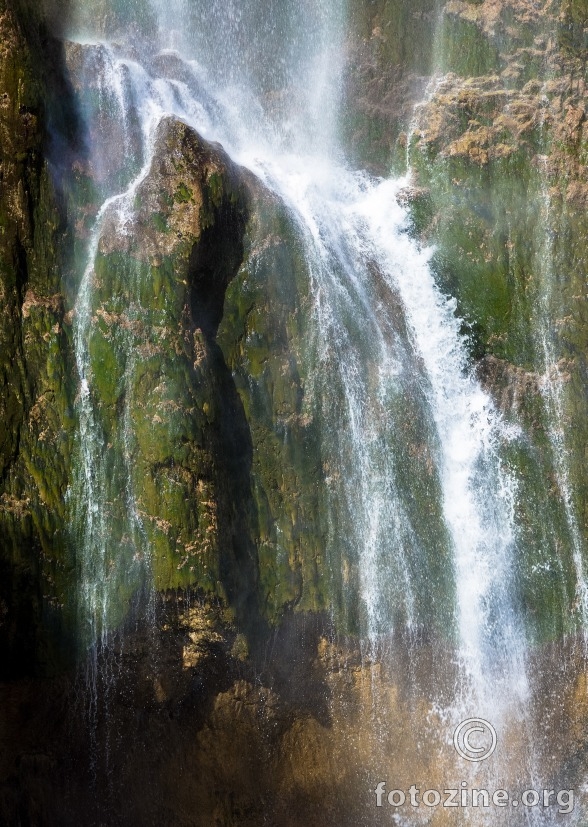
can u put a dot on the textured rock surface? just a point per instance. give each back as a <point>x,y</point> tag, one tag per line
<point>158,295</point>
<point>225,457</point>
<point>500,150</point>
<point>391,56</point>
<point>35,363</point>
<point>249,682</point>
<point>262,335</point>
<point>215,519</point>
<point>199,732</point>
<point>497,151</point>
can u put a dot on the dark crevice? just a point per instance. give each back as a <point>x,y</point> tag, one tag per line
<point>214,262</point>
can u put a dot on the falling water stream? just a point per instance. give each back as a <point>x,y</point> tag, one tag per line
<point>386,351</point>
<point>552,389</point>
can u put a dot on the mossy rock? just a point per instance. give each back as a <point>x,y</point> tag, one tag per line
<point>500,159</point>
<point>161,393</point>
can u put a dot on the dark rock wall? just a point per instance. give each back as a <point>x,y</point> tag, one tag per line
<point>35,358</point>
<point>262,335</point>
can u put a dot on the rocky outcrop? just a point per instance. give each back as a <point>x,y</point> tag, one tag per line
<point>198,668</point>
<point>183,404</point>
<point>197,334</point>
<point>499,149</point>
<point>159,379</point>
<point>262,334</point>
<point>194,339</point>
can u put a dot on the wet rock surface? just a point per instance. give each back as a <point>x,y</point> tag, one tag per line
<point>192,730</point>
<point>506,142</point>
<point>238,704</point>
<point>35,358</point>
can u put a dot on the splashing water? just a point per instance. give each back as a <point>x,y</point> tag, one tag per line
<point>420,500</point>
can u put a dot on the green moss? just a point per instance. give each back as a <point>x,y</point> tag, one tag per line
<point>216,188</point>
<point>465,49</point>
<point>107,372</point>
<point>572,30</point>
<point>159,221</point>
<point>183,194</point>
<point>500,189</point>
<point>485,225</point>
<point>37,373</point>
<point>264,335</point>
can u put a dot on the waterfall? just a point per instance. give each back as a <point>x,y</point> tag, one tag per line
<point>106,513</point>
<point>418,491</point>
<point>553,391</point>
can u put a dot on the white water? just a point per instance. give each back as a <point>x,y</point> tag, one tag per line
<point>384,338</point>
<point>553,392</point>
<point>348,220</point>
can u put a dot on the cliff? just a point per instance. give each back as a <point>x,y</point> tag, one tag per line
<point>239,663</point>
<point>487,111</point>
<point>35,356</point>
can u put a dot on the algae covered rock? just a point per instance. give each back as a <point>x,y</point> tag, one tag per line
<point>264,335</point>
<point>501,158</point>
<point>222,450</point>
<point>35,358</point>
<point>391,57</point>
<point>170,416</point>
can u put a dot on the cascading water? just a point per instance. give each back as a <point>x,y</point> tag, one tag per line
<point>106,511</point>
<point>552,389</point>
<point>419,497</point>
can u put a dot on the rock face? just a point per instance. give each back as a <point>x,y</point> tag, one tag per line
<point>35,358</point>
<point>158,293</point>
<point>496,149</point>
<point>196,335</point>
<point>195,343</point>
<point>262,335</point>
<point>391,57</point>
<point>500,148</point>
<point>159,284</point>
